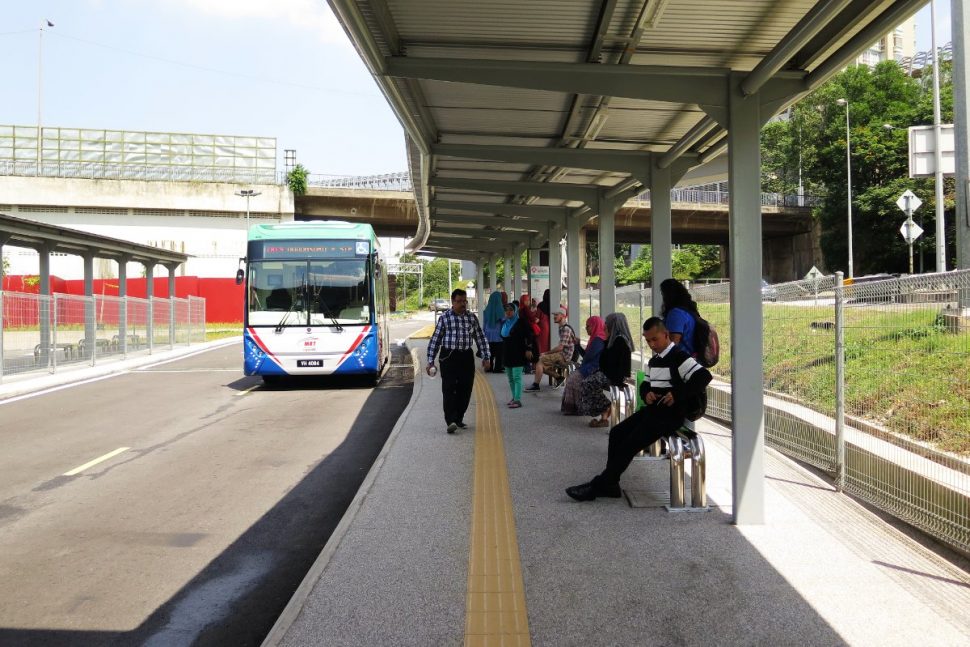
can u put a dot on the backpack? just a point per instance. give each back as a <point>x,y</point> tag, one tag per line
<point>577,349</point>
<point>696,405</point>
<point>707,346</point>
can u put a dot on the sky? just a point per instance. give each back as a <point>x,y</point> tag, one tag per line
<point>270,68</point>
<point>280,68</point>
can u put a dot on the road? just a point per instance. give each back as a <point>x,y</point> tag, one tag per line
<point>180,503</point>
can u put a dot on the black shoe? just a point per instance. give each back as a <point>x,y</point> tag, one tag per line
<point>452,427</point>
<point>589,491</point>
<point>461,425</point>
<point>584,492</point>
<point>534,387</point>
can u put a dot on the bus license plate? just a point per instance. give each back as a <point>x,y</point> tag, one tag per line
<point>309,363</point>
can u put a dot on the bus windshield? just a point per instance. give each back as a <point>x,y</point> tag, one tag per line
<point>315,292</point>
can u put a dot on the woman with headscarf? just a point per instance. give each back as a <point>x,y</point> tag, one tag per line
<point>518,344</point>
<point>542,340</point>
<point>680,314</point>
<point>525,305</point>
<point>596,329</point>
<point>613,371</point>
<point>492,326</point>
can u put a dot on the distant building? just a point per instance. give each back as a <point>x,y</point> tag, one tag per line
<point>897,45</point>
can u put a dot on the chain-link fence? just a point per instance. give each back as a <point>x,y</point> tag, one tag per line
<point>869,381</point>
<point>41,333</point>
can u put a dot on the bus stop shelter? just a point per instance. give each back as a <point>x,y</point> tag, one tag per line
<point>525,120</point>
<point>50,239</point>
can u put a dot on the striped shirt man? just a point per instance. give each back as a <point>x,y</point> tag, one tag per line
<point>456,332</point>
<point>693,378</point>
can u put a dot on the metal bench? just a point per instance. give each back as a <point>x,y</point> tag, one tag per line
<point>67,348</point>
<point>683,445</point>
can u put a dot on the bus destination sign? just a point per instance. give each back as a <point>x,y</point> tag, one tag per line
<point>314,249</point>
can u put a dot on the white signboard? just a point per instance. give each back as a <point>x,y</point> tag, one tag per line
<point>540,280</point>
<point>908,198</point>
<point>922,147</point>
<point>910,231</point>
<point>814,273</point>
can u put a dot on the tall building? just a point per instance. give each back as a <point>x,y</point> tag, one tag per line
<point>898,44</point>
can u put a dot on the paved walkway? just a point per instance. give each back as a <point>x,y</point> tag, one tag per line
<point>423,555</point>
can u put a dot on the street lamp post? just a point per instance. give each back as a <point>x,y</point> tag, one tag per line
<point>40,90</point>
<point>247,193</point>
<point>848,175</point>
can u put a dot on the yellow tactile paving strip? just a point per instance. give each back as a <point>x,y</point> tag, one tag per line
<point>495,612</point>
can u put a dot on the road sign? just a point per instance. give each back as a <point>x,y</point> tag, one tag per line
<point>908,200</point>
<point>910,231</point>
<point>814,273</point>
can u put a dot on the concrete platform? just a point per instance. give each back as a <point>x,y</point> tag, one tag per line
<point>822,570</point>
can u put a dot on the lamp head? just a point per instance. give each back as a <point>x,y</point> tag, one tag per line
<point>841,102</point>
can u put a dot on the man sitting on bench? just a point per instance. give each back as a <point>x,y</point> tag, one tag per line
<point>665,398</point>
<point>554,361</point>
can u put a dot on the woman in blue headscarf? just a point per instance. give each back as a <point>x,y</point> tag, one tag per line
<point>492,326</point>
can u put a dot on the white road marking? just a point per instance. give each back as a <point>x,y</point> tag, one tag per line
<point>100,459</point>
<point>189,370</point>
<point>61,387</point>
<point>256,386</point>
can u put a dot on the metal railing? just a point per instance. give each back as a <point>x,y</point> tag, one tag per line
<point>692,195</point>
<point>129,171</point>
<point>387,182</point>
<point>41,333</point>
<point>866,380</point>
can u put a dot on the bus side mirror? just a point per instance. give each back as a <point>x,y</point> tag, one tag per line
<point>240,275</point>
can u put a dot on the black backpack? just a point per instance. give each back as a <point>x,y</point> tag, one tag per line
<point>696,405</point>
<point>578,351</point>
<point>707,346</point>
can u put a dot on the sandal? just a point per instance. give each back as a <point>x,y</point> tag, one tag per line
<point>597,422</point>
<point>514,404</point>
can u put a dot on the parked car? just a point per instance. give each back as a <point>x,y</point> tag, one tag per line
<point>438,305</point>
<point>768,291</point>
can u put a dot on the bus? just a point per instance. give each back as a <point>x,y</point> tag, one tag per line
<point>316,301</point>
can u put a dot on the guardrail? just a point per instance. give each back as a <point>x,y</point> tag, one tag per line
<point>41,333</point>
<point>865,379</point>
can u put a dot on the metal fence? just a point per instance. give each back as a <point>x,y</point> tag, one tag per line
<point>41,333</point>
<point>400,181</point>
<point>869,381</point>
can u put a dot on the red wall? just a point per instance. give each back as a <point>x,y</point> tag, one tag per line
<point>223,298</point>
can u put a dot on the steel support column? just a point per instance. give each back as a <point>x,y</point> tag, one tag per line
<point>44,269</point>
<point>90,330</point>
<point>517,274</point>
<point>744,233</point>
<point>123,305</point>
<point>480,297</point>
<point>960,20</point>
<point>606,210</point>
<point>493,274</point>
<point>171,305</point>
<point>555,280</point>
<point>149,296</point>
<point>574,228</point>
<point>660,233</point>
<point>509,280</point>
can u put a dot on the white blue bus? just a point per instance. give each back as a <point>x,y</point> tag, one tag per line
<point>316,301</point>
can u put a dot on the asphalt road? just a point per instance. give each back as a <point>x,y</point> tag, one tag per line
<point>212,497</point>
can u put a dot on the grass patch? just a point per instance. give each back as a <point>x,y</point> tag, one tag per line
<point>903,370</point>
<point>216,330</point>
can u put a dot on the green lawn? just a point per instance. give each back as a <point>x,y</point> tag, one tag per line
<point>903,370</point>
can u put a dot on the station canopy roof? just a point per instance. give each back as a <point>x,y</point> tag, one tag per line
<point>19,232</point>
<point>501,97</point>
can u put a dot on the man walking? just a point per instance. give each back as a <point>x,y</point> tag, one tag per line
<point>554,361</point>
<point>453,336</point>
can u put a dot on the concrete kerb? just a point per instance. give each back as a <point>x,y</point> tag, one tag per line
<point>26,383</point>
<point>295,606</point>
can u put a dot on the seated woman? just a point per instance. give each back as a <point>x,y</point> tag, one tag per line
<point>596,329</point>
<point>614,369</point>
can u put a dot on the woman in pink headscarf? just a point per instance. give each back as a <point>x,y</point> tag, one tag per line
<point>596,329</point>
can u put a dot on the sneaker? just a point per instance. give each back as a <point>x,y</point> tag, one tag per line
<point>534,387</point>
<point>452,427</point>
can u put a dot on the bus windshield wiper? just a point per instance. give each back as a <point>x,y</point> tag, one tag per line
<point>279,326</point>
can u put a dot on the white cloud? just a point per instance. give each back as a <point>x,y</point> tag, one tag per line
<point>312,15</point>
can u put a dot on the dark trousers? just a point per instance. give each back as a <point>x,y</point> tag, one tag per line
<point>457,379</point>
<point>632,436</point>
<point>495,350</point>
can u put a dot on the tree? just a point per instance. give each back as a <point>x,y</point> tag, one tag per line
<point>816,130</point>
<point>297,179</point>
